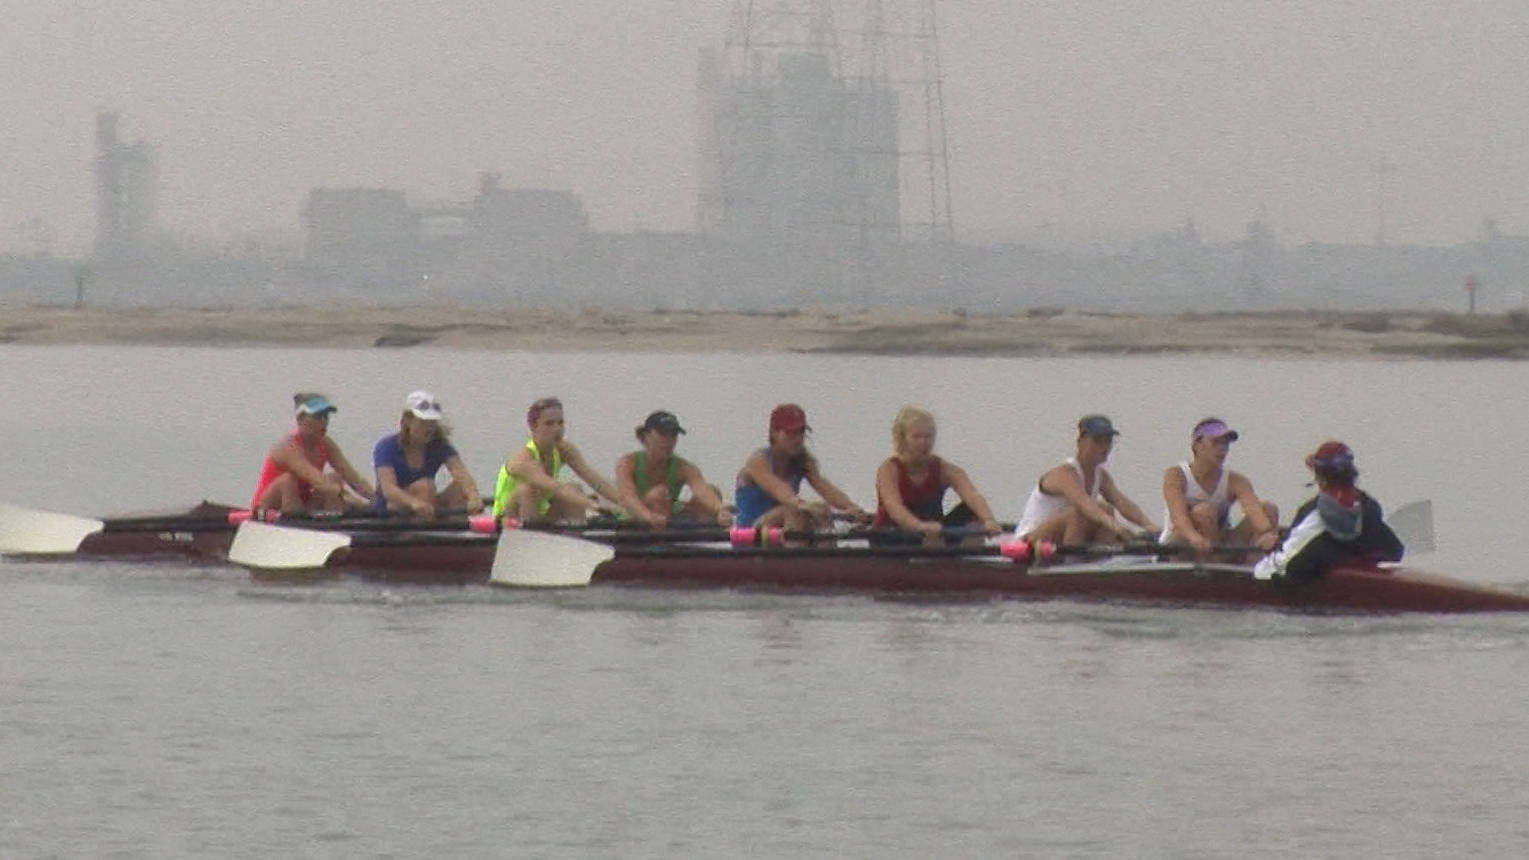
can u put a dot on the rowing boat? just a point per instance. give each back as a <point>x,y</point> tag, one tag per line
<point>936,573</point>
<point>463,557</point>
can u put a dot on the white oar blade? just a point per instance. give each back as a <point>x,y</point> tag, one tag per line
<point>23,530</point>
<point>266,547</point>
<point>1413,523</point>
<point>532,559</point>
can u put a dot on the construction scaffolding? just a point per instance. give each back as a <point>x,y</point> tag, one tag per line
<point>825,123</point>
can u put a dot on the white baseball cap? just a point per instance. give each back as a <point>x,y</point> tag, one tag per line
<point>424,405</point>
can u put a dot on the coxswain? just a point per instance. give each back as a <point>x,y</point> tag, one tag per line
<point>1340,524</point>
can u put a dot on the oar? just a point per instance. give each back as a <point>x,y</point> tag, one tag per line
<point>23,530</point>
<point>526,558</point>
<point>262,546</point>
<point>1413,524</point>
<point>33,532</point>
<point>742,535</point>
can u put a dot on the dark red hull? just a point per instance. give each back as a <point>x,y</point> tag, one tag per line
<point>199,544</point>
<point>462,558</point>
<point>1362,590</point>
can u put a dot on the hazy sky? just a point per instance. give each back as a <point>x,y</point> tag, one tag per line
<point>1121,115</point>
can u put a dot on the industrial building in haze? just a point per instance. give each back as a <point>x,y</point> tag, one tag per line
<point>127,188</point>
<point>822,182</point>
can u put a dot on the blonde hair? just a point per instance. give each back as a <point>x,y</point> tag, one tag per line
<point>904,419</point>
<point>442,429</point>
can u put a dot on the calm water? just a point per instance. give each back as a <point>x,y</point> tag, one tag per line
<point>179,711</point>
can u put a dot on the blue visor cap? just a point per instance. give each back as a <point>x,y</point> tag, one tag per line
<point>316,405</point>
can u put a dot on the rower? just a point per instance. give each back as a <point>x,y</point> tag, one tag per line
<point>305,471</point>
<point>911,485</point>
<point>528,488</point>
<point>768,484</point>
<point>652,479</point>
<point>1341,523</point>
<point>1076,502</point>
<point>1200,492</point>
<point>408,461</point>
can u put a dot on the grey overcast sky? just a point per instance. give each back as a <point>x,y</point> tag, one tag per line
<point>1112,116</point>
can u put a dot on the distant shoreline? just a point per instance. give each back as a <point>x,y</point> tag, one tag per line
<point>1376,334</point>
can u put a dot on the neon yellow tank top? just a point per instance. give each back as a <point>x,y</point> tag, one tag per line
<point>506,484</point>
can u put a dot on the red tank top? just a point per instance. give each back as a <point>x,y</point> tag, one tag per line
<point>270,470</point>
<point>925,499</point>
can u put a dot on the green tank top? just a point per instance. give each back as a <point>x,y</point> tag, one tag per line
<point>671,479</point>
<point>506,484</point>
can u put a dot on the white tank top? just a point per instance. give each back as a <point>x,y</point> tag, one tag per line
<point>1194,494</point>
<point>1042,506</point>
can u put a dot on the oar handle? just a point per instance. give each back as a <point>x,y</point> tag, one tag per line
<point>1046,550</point>
<point>446,519</point>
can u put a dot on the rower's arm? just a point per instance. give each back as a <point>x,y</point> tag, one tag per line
<point>703,492</point>
<point>595,480</point>
<point>626,489</point>
<point>626,482</point>
<point>290,456</point>
<point>1241,489</point>
<point>348,472</point>
<point>1064,482</point>
<point>832,494</point>
<point>967,492</point>
<point>1178,506</point>
<point>891,497</point>
<point>464,479</point>
<point>387,486</point>
<point>759,472</point>
<point>1127,508</point>
<point>525,467</point>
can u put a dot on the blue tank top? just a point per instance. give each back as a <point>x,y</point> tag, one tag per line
<point>753,502</point>
<point>389,452</point>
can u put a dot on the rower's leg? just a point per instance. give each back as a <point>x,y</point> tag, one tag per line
<point>524,503</point>
<point>424,490</point>
<point>328,496</point>
<point>451,497</point>
<point>1079,529</point>
<point>1052,530</point>
<point>563,511</point>
<point>783,517</point>
<point>1207,522</point>
<point>1243,533</point>
<point>1082,530</point>
<point>281,495</point>
<point>657,500</point>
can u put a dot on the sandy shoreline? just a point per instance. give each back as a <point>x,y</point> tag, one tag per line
<point>1375,334</point>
